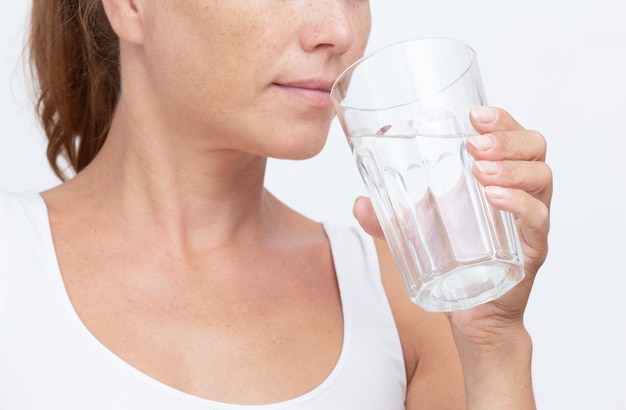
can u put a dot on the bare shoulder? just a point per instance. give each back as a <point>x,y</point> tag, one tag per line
<point>434,373</point>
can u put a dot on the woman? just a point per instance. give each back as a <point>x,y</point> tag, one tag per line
<point>164,275</point>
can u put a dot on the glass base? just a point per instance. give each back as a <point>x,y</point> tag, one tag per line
<point>469,286</point>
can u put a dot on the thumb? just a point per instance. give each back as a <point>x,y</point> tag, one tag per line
<point>364,213</point>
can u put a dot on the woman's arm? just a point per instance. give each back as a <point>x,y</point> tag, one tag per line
<point>434,373</point>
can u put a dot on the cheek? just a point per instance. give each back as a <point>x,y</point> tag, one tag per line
<point>362,27</point>
<point>195,70</point>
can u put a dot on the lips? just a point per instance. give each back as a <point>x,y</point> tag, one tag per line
<point>315,92</point>
<point>313,84</point>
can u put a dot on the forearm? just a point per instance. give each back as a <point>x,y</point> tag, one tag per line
<point>498,374</point>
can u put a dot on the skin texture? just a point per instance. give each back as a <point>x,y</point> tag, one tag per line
<point>187,264</point>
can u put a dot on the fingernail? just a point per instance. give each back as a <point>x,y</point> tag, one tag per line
<point>496,192</point>
<point>483,114</point>
<point>481,141</point>
<point>487,167</point>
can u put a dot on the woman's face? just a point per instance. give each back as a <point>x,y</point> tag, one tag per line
<point>252,75</point>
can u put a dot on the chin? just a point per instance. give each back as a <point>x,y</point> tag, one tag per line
<point>303,144</point>
<point>298,152</point>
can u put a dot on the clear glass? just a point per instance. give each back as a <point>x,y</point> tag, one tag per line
<point>405,112</point>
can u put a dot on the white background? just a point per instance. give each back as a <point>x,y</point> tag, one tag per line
<point>560,67</point>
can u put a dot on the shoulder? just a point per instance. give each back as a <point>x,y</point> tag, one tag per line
<point>433,368</point>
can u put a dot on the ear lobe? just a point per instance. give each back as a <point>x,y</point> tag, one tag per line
<point>125,19</point>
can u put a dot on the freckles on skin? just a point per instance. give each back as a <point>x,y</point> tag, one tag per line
<point>199,51</point>
<point>212,66</point>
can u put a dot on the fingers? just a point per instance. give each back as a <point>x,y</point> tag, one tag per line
<point>520,145</point>
<point>502,137</point>
<point>510,164</point>
<point>534,220</point>
<point>508,155</point>
<point>490,119</point>
<point>534,177</point>
<point>364,213</point>
<point>523,188</point>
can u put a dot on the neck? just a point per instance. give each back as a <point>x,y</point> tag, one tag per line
<point>183,187</point>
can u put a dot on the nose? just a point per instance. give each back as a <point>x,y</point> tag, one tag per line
<point>333,24</point>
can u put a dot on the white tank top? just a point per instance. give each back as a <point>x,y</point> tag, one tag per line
<point>49,360</point>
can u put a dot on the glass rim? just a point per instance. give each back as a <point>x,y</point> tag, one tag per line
<point>335,87</point>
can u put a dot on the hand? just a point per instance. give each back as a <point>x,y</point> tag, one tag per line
<point>492,342</point>
<point>510,164</point>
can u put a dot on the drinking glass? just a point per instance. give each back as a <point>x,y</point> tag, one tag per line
<point>405,112</point>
